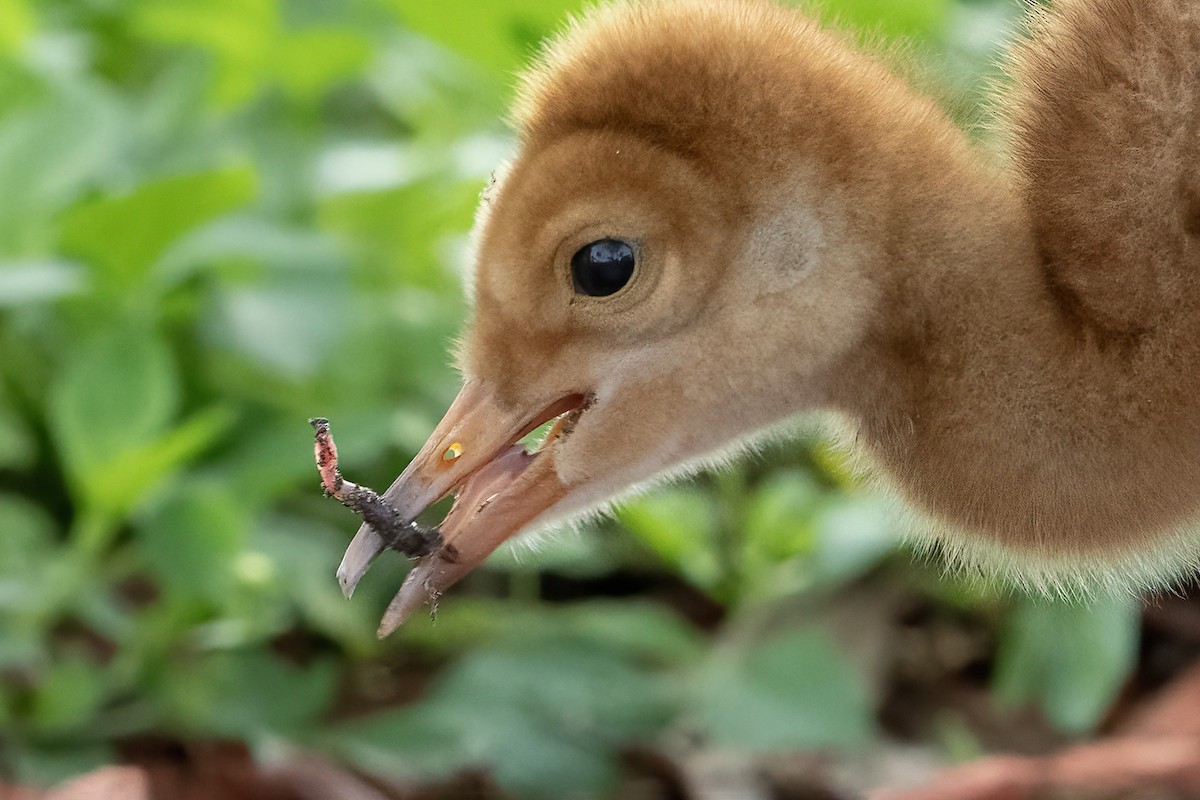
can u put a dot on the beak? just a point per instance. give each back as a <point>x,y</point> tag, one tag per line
<point>475,454</point>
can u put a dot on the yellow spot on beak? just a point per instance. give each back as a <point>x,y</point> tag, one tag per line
<point>452,452</point>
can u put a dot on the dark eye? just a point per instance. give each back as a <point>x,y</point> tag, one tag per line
<point>603,267</point>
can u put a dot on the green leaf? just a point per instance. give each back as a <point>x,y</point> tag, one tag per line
<point>240,34</point>
<point>17,446</point>
<point>416,742</point>
<point>401,233</point>
<point>68,695</point>
<point>16,23</point>
<point>575,553</point>
<point>792,692</point>
<point>282,295</point>
<point>123,236</point>
<point>912,18</point>
<point>778,520</point>
<point>224,247</point>
<point>637,630</point>
<point>501,37</point>
<point>50,765</point>
<point>581,689</point>
<point>121,484</point>
<point>291,326</point>
<point>110,411</point>
<point>308,63</point>
<point>1071,658</point>
<point>267,451</point>
<point>192,539</point>
<point>303,554</point>
<point>49,152</point>
<point>24,282</point>
<point>248,695</point>
<point>853,534</point>
<point>442,96</point>
<point>29,554</point>
<point>117,392</point>
<point>27,541</point>
<point>548,720</point>
<point>680,526</point>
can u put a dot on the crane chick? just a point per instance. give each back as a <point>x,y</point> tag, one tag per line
<point>721,215</point>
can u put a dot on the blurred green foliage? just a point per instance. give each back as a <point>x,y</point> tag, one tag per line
<point>219,219</point>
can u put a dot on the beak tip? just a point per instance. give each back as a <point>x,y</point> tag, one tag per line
<point>364,549</point>
<point>348,578</point>
<point>386,629</point>
<point>398,612</point>
<point>418,589</point>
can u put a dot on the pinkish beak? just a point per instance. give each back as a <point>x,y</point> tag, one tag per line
<point>499,488</point>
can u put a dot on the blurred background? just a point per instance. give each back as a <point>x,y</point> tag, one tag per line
<point>220,219</point>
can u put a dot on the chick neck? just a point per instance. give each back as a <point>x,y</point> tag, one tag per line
<point>1032,440</point>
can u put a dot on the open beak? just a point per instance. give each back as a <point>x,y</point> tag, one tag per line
<point>475,454</point>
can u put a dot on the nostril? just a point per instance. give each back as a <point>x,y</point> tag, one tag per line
<point>453,452</point>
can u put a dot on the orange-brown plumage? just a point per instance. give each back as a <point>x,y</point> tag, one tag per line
<point>1014,343</point>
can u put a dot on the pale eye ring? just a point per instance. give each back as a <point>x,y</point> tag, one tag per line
<point>603,267</point>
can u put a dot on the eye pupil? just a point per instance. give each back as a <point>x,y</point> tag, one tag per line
<point>603,267</point>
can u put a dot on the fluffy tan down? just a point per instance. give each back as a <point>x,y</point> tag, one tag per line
<point>1014,344</point>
